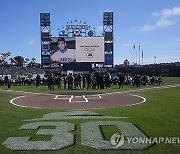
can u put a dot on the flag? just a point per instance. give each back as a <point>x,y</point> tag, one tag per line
<point>139,47</point>
<point>142,54</point>
<point>134,46</point>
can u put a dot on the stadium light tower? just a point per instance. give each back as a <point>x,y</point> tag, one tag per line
<point>45,38</point>
<point>76,28</point>
<point>108,38</point>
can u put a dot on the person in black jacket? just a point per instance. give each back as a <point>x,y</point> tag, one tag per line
<point>38,80</point>
<point>50,82</point>
<point>121,81</point>
<point>6,80</point>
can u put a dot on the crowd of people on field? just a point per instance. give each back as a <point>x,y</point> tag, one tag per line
<point>89,81</point>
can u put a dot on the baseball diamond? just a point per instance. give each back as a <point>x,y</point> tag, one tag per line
<point>96,77</point>
<point>81,100</point>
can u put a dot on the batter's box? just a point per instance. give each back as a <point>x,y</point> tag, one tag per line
<point>62,97</point>
<point>93,97</point>
<point>78,99</point>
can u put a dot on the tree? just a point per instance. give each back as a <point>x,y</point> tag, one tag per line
<point>33,60</point>
<point>3,56</point>
<point>27,60</point>
<point>18,60</point>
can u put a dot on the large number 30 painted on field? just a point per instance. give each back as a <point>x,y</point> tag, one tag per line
<point>63,137</point>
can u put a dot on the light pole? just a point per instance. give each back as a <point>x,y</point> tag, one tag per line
<point>155,59</point>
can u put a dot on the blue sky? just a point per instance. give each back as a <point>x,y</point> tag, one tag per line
<point>155,24</point>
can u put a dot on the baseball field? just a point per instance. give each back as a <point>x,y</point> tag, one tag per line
<point>34,120</point>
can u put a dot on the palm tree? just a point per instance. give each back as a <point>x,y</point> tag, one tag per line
<point>33,60</point>
<point>19,60</point>
<point>8,54</point>
<point>26,60</point>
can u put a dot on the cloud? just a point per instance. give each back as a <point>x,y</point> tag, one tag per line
<point>164,22</point>
<point>167,13</point>
<point>147,27</point>
<point>30,43</point>
<point>160,23</point>
<point>165,19</point>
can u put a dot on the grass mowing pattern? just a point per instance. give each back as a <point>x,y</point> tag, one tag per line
<point>158,117</point>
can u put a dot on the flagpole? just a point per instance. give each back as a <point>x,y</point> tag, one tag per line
<point>136,57</point>
<point>139,54</point>
<point>133,53</point>
<point>142,56</point>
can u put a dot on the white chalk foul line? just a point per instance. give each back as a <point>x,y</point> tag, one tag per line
<point>70,99</point>
<point>86,100</point>
<point>172,86</point>
<point>136,90</point>
<point>100,96</point>
<point>61,97</point>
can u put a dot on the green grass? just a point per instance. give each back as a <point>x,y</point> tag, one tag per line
<point>158,117</point>
<point>171,80</point>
